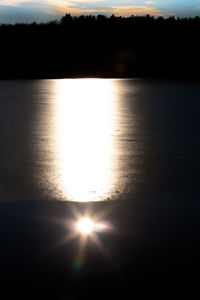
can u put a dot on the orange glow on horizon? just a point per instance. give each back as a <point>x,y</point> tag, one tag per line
<point>123,11</point>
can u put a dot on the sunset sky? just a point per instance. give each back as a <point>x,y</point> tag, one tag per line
<point>12,11</point>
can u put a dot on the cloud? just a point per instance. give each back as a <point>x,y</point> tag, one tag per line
<point>26,11</point>
<point>97,6</point>
<point>17,3</point>
<point>149,2</point>
<point>107,7</point>
<point>135,10</point>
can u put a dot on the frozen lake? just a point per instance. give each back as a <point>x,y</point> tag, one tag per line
<point>125,151</point>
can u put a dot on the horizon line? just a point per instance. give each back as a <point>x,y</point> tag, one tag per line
<point>105,16</point>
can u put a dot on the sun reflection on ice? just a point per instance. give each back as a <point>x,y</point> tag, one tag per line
<point>83,133</point>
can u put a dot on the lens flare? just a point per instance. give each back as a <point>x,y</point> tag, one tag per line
<point>78,262</point>
<point>85,226</point>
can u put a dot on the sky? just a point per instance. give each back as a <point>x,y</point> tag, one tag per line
<point>13,11</point>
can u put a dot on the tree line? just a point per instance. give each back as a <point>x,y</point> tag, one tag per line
<point>103,46</point>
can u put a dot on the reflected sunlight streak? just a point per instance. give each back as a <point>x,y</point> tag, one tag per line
<point>84,125</point>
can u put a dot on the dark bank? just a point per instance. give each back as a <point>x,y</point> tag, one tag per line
<point>89,46</point>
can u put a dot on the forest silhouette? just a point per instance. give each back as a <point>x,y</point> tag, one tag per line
<point>101,46</point>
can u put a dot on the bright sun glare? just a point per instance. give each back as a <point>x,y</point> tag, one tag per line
<point>85,226</point>
<point>83,138</point>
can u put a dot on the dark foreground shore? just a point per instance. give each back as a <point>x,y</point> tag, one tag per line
<point>151,251</point>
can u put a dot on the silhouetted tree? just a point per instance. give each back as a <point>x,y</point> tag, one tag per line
<point>66,19</point>
<point>101,46</point>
